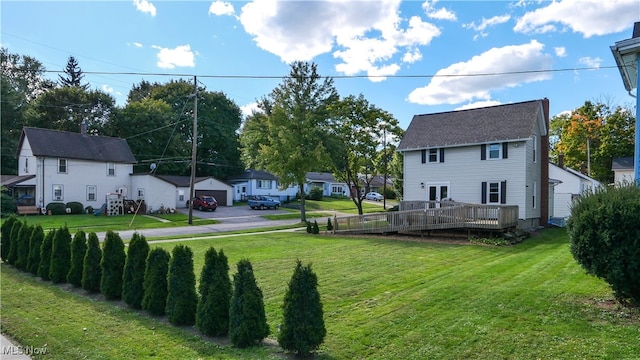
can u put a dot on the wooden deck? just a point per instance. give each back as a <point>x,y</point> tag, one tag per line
<point>431,216</point>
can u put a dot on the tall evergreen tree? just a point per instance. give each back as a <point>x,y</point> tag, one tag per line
<point>45,255</point>
<point>247,319</point>
<point>5,230</point>
<point>73,75</point>
<point>60,256</point>
<point>182,299</point>
<point>91,267</point>
<point>78,251</point>
<point>155,282</point>
<point>13,242</point>
<point>112,264</point>
<point>35,243</point>
<point>133,280</point>
<point>303,328</point>
<point>212,317</point>
<point>23,246</point>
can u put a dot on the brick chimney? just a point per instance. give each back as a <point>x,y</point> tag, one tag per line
<point>561,160</point>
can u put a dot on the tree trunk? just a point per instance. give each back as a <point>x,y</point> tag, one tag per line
<point>303,213</point>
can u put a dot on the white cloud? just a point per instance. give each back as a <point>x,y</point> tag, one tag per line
<point>478,104</point>
<point>145,6</point>
<point>250,108</point>
<point>180,56</point>
<point>108,89</point>
<point>485,23</point>
<point>440,14</point>
<point>561,51</point>
<point>221,8</point>
<point>365,35</point>
<point>588,17</point>
<point>497,68</point>
<point>412,56</point>
<point>590,62</point>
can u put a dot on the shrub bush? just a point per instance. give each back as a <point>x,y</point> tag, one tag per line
<point>388,193</point>
<point>329,224</point>
<point>603,231</point>
<point>13,242</point>
<point>5,230</point>
<point>247,319</point>
<point>155,281</point>
<point>91,267</point>
<point>182,299</point>
<point>112,264</point>
<point>303,329</point>
<point>133,280</point>
<point>60,256</point>
<point>212,315</point>
<point>7,205</point>
<point>315,194</point>
<point>56,208</point>
<point>45,255</point>
<point>35,244</point>
<point>76,207</point>
<point>309,228</point>
<point>78,251</point>
<point>22,245</point>
<point>315,229</point>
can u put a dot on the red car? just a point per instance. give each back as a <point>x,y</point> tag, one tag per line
<point>205,202</point>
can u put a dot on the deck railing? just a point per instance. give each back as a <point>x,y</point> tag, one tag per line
<point>431,215</point>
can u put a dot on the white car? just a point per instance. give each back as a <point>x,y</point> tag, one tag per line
<point>374,196</point>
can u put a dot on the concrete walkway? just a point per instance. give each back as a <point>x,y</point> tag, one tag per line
<point>12,351</point>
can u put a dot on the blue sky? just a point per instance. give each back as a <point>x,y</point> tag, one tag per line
<point>401,55</point>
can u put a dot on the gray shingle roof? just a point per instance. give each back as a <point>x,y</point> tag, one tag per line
<point>474,126</point>
<point>623,163</point>
<point>252,174</point>
<point>64,144</point>
<point>320,177</point>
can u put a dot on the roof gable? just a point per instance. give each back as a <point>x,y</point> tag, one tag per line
<point>473,126</point>
<point>320,177</point>
<point>64,144</point>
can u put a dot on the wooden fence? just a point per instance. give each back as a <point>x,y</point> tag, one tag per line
<point>430,215</point>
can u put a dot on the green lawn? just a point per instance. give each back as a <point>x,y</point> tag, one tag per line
<point>383,299</point>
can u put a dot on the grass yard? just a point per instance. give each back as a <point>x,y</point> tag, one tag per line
<point>383,299</point>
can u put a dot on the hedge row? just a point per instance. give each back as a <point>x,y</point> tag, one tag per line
<point>163,284</point>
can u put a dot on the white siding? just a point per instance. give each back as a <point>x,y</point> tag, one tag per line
<point>623,176</point>
<point>157,192</point>
<point>213,184</point>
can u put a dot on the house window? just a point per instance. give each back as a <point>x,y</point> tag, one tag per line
<point>494,151</point>
<point>92,191</point>
<point>494,192</point>
<point>180,195</point>
<point>533,197</point>
<point>140,193</point>
<point>26,165</point>
<point>58,192</point>
<point>433,155</point>
<point>535,147</point>
<point>62,166</point>
<point>424,156</point>
<point>336,189</point>
<point>264,184</point>
<point>111,169</point>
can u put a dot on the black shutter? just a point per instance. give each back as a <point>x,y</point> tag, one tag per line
<point>441,154</point>
<point>484,192</point>
<point>503,192</point>
<point>505,150</point>
<point>483,152</point>
<point>424,156</point>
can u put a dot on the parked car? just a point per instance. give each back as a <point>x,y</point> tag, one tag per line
<point>263,202</point>
<point>374,196</point>
<point>204,202</point>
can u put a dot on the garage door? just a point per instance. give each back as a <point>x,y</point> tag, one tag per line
<point>220,195</point>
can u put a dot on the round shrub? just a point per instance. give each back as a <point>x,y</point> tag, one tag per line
<point>315,194</point>
<point>56,208</point>
<point>112,264</point>
<point>76,207</point>
<point>91,268</point>
<point>603,231</point>
<point>132,282</point>
<point>155,281</point>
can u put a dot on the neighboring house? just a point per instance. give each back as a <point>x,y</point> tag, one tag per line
<point>491,155</point>
<point>61,166</point>
<point>623,170</point>
<point>571,185</point>
<point>377,184</point>
<point>259,183</point>
<point>328,184</point>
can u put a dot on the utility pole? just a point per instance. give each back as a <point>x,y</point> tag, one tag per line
<point>194,145</point>
<point>384,184</point>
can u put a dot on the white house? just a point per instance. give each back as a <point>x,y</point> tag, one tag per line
<point>571,185</point>
<point>259,183</point>
<point>61,166</point>
<point>623,170</point>
<point>327,182</point>
<point>491,155</point>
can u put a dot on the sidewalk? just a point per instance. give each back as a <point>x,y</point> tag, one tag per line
<point>11,351</point>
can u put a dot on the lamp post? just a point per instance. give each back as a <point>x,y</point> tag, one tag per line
<point>627,55</point>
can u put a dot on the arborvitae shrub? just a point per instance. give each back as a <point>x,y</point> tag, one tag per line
<point>23,246</point>
<point>56,208</point>
<point>13,242</point>
<point>302,330</point>
<point>112,263</point>
<point>91,267</point>
<point>78,251</point>
<point>35,244</point>
<point>182,299</point>
<point>212,316</point>
<point>132,282</point>
<point>45,255</point>
<point>76,207</point>
<point>309,227</point>
<point>155,281</point>
<point>7,205</point>
<point>247,319</point>
<point>603,231</point>
<point>60,256</point>
<point>329,224</point>
<point>315,229</point>
<point>5,229</point>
